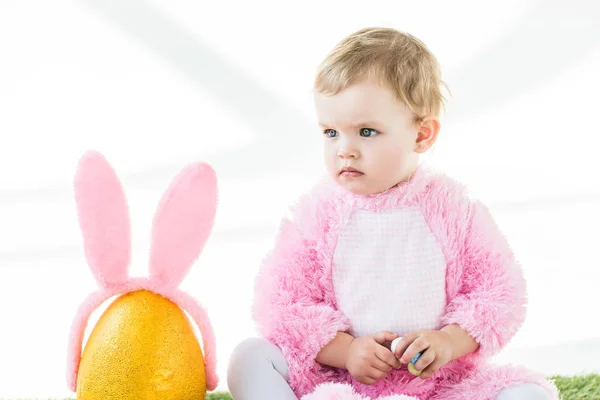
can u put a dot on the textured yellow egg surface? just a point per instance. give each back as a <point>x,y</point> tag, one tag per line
<point>143,347</point>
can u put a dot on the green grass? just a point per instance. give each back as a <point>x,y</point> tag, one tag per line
<point>584,387</point>
<point>218,396</point>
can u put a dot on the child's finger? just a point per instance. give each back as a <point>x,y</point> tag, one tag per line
<point>432,369</point>
<point>384,336</point>
<point>425,359</point>
<point>368,380</point>
<point>418,345</point>
<point>381,365</point>
<point>387,356</point>
<point>376,374</point>
<point>404,343</point>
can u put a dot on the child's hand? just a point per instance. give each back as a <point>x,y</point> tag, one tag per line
<point>436,346</point>
<point>368,360</point>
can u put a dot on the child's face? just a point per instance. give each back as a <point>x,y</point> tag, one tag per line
<point>367,129</point>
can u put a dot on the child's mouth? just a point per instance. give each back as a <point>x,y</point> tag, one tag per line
<point>350,172</point>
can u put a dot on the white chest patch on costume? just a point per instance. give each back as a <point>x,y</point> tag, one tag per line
<point>389,272</point>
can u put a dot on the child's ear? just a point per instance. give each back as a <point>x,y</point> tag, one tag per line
<point>428,129</point>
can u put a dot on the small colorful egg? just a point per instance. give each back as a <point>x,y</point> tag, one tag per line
<point>411,364</point>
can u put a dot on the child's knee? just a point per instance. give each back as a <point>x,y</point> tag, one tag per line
<point>246,353</point>
<point>255,357</point>
<point>250,355</point>
<point>241,360</point>
<point>249,350</point>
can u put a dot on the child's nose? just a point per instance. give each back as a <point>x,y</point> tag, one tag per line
<point>347,149</point>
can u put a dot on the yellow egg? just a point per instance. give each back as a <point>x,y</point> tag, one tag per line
<point>144,348</point>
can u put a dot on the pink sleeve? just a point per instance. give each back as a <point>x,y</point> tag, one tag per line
<point>290,306</point>
<point>490,304</point>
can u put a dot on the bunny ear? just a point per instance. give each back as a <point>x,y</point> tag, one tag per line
<point>207,334</point>
<point>182,224</point>
<point>103,219</point>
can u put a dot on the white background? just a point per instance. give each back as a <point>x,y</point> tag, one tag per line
<point>157,85</point>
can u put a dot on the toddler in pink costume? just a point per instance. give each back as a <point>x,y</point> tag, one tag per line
<point>384,248</point>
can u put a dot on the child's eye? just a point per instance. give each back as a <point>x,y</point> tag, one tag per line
<point>330,133</point>
<point>368,132</point>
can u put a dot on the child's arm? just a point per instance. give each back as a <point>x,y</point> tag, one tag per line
<point>291,308</point>
<point>490,304</point>
<point>462,343</point>
<point>335,353</point>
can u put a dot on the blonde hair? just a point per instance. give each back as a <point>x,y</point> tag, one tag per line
<point>398,59</point>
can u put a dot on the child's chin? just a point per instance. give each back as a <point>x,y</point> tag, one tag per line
<point>358,188</point>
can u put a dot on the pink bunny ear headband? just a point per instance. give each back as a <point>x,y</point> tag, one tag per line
<point>181,226</point>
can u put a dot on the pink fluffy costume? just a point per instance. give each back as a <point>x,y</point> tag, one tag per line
<point>419,256</point>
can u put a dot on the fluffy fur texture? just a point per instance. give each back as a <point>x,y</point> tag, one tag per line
<point>333,391</point>
<point>488,381</point>
<point>108,232</point>
<point>182,224</point>
<point>343,391</point>
<point>295,304</point>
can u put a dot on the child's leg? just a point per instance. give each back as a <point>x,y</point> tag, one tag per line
<point>258,371</point>
<point>524,391</point>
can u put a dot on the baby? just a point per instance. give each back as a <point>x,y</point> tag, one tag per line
<point>384,248</point>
